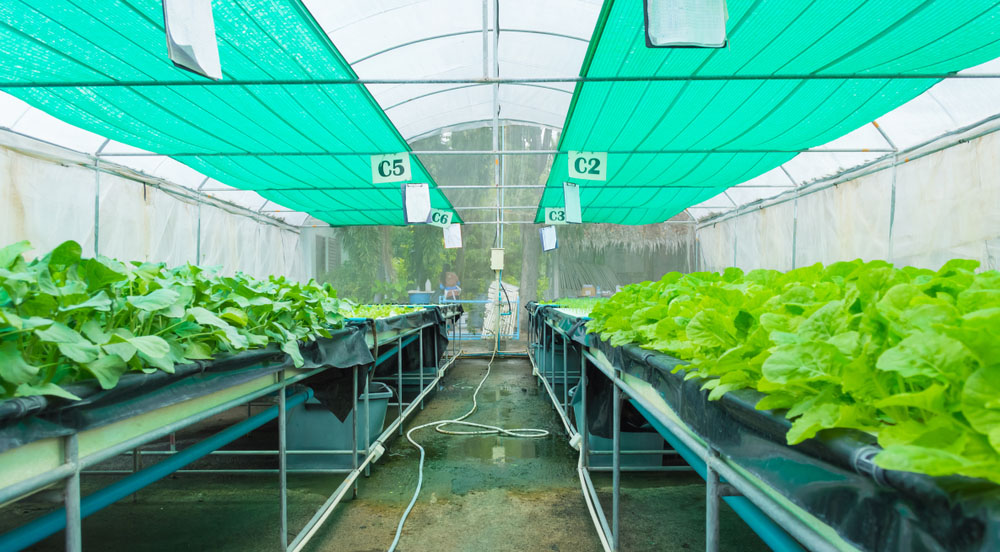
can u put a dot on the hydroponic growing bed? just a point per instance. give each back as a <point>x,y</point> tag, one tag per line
<point>829,481</point>
<point>136,352</point>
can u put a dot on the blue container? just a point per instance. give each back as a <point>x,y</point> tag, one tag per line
<point>420,297</point>
<point>628,440</point>
<point>311,426</point>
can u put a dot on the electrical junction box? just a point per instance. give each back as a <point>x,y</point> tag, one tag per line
<point>496,259</point>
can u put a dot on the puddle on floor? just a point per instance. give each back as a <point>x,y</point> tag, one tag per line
<point>496,395</point>
<point>497,450</point>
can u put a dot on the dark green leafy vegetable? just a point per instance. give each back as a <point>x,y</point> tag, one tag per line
<point>911,355</point>
<point>65,318</point>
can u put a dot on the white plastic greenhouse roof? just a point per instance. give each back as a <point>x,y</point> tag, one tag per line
<point>441,39</point>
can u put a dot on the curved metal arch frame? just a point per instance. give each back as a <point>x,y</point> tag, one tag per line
<point>460,87</point>
<point>468,125</point>
<point>462,33</point>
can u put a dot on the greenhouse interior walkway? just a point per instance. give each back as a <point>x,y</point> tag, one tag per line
<point>480,493</point>
<point>496,493</point>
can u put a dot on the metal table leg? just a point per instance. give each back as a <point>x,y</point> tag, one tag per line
<point>354,428</point>
<point>368,414</point>
<point>282,462</point>
<point>71,496</point>
<point>399,381</point>
<point>565,380</point>
<point>616,396</point>
<point>711,505</point>
<point>552,367</point>
<point>420,363</point>
<point>582,423</point>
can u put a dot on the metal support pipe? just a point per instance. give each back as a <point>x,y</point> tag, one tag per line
<point>513,80</point>
<point>71,495</point>
<point>540,353</point>
<point>711,507</point>
<point>97,206</point>
<point>563,416</point>
<point>420,364</point>
<point>643,469</point>
<point>565,379</point>
<point>892,208</point>
<point>46,525</point>
<point>552,361</point>
<point>616,462</point>
<point>282,463</point>
<point>496,131</point>
<point>368,413</point>
<point>399,381</point>
<point>771,523</point>
<point>26,486</point>
<point>497,151</point>
<point>583,428</point>
<point>354,426</point>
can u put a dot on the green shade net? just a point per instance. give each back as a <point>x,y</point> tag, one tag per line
<point>269,138</point>
<point>766,37</point>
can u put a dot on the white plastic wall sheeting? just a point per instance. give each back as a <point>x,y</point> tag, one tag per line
<point>849,221</point>
<point>239,243</point>
<point>947,205</point>
<point>46,202</point>
<point>749,242</point>
<point>765,239</point>
<point>142,223</point>
<point>715,245</point>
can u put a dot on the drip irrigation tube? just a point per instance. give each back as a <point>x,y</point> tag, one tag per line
<point>483,429</point>
<point>51,523</point>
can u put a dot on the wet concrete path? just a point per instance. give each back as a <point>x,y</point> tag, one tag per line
<point>508,494</point>
<point>480,492</point>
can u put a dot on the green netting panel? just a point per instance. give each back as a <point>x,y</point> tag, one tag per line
<point>230,133</point>
<point>766,37</point>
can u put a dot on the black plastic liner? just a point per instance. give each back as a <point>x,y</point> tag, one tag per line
<point>436,331</point>
<point>24,420</point>
<point>831,476</point>
<point>599,390</point>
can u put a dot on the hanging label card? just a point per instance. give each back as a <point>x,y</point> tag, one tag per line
<point>548,237</point>
<point>416,203</point>
<point>394,167</point>
<point>588,165</point>
<point>440,217</point>
<point>571,199</point>
<point>686,23</point>
<point>191,42</point>
<point>555,215</point>
<point>453,236</point>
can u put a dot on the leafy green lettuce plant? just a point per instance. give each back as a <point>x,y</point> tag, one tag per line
<point>580,306</point>
<point>65,318</point>
<point>376,311</point>
<point>910,355</point>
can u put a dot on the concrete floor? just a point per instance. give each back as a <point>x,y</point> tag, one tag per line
<point>480,493</point>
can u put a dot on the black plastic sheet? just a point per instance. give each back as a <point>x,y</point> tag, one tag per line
<point>436,331</point>
<point>830,476</point>
<point>25,420</point>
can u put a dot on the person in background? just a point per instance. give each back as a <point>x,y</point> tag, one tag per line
<point>450,285</point>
